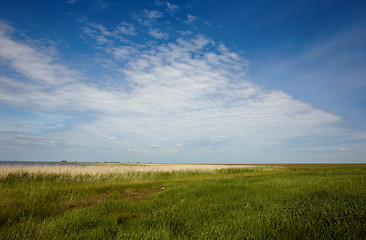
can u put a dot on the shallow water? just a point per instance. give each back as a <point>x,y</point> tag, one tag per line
<point>25,163</point>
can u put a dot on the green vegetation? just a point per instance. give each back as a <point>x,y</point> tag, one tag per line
<point>272,202</point>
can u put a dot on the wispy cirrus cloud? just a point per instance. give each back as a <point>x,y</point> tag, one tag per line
<point>172,8</point>
<point>191,19</point>
<point>328,70</point>
<point>31,63</point>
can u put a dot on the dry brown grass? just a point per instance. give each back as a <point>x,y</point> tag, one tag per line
<point>112,168</point>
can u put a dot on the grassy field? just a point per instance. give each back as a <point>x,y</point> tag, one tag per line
<point>260,202</point>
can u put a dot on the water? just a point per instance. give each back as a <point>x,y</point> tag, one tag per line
<point>16,163</point>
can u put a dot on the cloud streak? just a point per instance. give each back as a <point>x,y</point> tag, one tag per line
<point>329,72</point>
<point>31,63</point>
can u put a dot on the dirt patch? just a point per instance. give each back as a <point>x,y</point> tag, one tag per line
<point>86,202</point>
<point>140,195</point>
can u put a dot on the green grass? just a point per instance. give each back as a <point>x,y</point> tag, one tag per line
<point>286,202</point>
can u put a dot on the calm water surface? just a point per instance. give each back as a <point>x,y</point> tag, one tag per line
<point>15,163</point>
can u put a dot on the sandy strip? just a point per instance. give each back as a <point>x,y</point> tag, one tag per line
<point>112,168</point>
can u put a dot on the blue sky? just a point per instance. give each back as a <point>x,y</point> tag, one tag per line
<point>183,81</point>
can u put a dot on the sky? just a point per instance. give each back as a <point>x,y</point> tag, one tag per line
<point>183,81</point>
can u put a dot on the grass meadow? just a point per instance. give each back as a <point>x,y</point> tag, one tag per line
<point>254,202</point>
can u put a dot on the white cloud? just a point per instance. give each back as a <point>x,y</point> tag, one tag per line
<point>158,34</point>
<point>106,137</point>
<point>328,66</point>
<point>123,52</point>
<point>190,91</point>
<point>148,17</point>
<point>192,19</point>
<point>32,63</point>
<point>20,142</point>
<point>343,149</point>
<point>109,37</point>
<point>99,33</point>
<point>127,28</point>
<point>185,33</point>
<point>171,7</point>
<point>152,14</point>
<point>129,149</point>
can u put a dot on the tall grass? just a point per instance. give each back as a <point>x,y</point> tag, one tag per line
<point>287,202</point>
<point>108,168</point>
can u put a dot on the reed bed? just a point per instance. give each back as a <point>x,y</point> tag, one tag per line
<point>104,169</point>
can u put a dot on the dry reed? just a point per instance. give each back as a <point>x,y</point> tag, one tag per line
<point>111,168</point>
